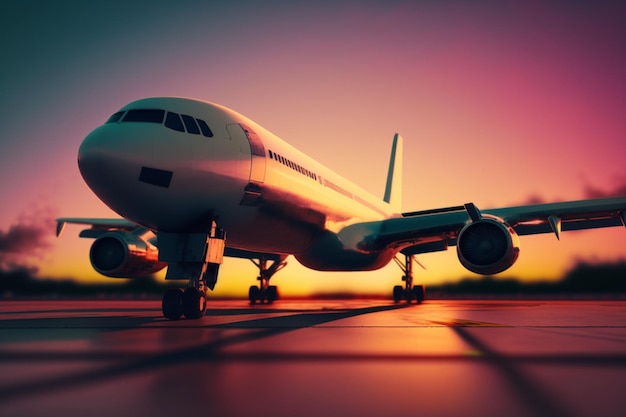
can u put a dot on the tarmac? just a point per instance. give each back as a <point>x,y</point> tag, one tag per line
<point>314,358</point>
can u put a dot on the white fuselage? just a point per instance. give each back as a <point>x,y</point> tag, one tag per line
<point>268,196</point>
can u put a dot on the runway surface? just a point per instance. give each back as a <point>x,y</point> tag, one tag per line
<point>314,358</point>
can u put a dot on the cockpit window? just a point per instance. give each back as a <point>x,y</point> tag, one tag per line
<point>190,124</point>
<point>145,115</point>
<point>173,122</point>
<point>115,118</point>
<point>206,131</point>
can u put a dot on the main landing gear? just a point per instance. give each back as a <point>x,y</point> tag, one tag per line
<point>410,291</point>
<point>265,292</point>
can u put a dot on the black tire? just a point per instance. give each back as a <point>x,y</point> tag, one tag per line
<point>398,293</point>
<point>254,294</point>
<point>194,303</point>
<point>419,293</point>
<point>172,304</point>
<point>272,293</point>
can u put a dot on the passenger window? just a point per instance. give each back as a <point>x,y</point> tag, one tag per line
<point>190,124</point>
<point>205,128</point>
<point>172,120</point>
<point>145,115</point>
<point>115,118</point>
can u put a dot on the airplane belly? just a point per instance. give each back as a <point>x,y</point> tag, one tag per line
<point>328,253</point>
<point>265,234</point>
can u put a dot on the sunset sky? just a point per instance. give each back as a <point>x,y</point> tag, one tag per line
<point>499,103</point>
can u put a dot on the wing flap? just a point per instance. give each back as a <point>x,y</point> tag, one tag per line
<point>567,226</point>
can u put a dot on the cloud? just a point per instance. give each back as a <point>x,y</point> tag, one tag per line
<point>533,199</point>
<point>617,190</point>
<point>21,238</point>
<point>26,238</point>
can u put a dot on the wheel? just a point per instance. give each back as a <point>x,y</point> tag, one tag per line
<point>419,293</point>
<point>172,304</point>
<point>272,293</point>
<point>398,293</point>
<point>254,294</point>
<point>194,303</point>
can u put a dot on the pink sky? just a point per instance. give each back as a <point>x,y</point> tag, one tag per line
<point>498,103</point>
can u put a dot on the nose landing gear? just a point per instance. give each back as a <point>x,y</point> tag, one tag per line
<point>196,257</point>
<point>194,302</point>
<point>190,303</point>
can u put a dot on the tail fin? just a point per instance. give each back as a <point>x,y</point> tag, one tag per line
<point>393,189</point>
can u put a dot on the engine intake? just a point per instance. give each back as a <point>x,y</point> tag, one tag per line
<point>124,255</point>
<point>488,246</point>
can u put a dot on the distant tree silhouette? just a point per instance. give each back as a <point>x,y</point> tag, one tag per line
<point>596,278</point>
<point>608,278</point>
<point>584,278</point>
<point>20,282</point>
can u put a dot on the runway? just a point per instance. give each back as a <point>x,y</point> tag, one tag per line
<point>314,358</point>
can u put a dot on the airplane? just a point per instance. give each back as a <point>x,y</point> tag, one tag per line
<point>194,181</point>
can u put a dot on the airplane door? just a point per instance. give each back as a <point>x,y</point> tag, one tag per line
<point>243,133</point>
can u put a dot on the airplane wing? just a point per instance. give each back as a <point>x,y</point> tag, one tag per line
<point>435,230</point>
<point>96,224</point>
<point>100,226</point>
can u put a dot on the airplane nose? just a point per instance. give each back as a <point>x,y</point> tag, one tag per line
<point>163,178</point>
<point>91,163</point>
<point>110,162</point>
<point>133,168</point>
<point>96,160</point>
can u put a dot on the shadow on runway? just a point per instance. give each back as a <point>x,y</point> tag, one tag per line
<point>306,318</point>
<point>133,362</point>
<point>538,400</point>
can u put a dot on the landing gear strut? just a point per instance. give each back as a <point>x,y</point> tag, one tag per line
<point>196,257</point>
<point>265,292</point>
<point>410,291</point>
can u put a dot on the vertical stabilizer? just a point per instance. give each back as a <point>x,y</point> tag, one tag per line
<point>393,189</point>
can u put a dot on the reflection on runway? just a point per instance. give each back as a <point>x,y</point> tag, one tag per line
<point>367,358</point>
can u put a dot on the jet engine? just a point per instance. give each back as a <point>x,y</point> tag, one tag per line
<point>124,255</point>
<point>487,246</point>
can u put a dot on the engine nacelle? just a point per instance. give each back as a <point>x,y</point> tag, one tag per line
<point>124,255</point>
<point>487,246</point>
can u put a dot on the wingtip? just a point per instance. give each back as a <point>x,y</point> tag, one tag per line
<point>60,227</point>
